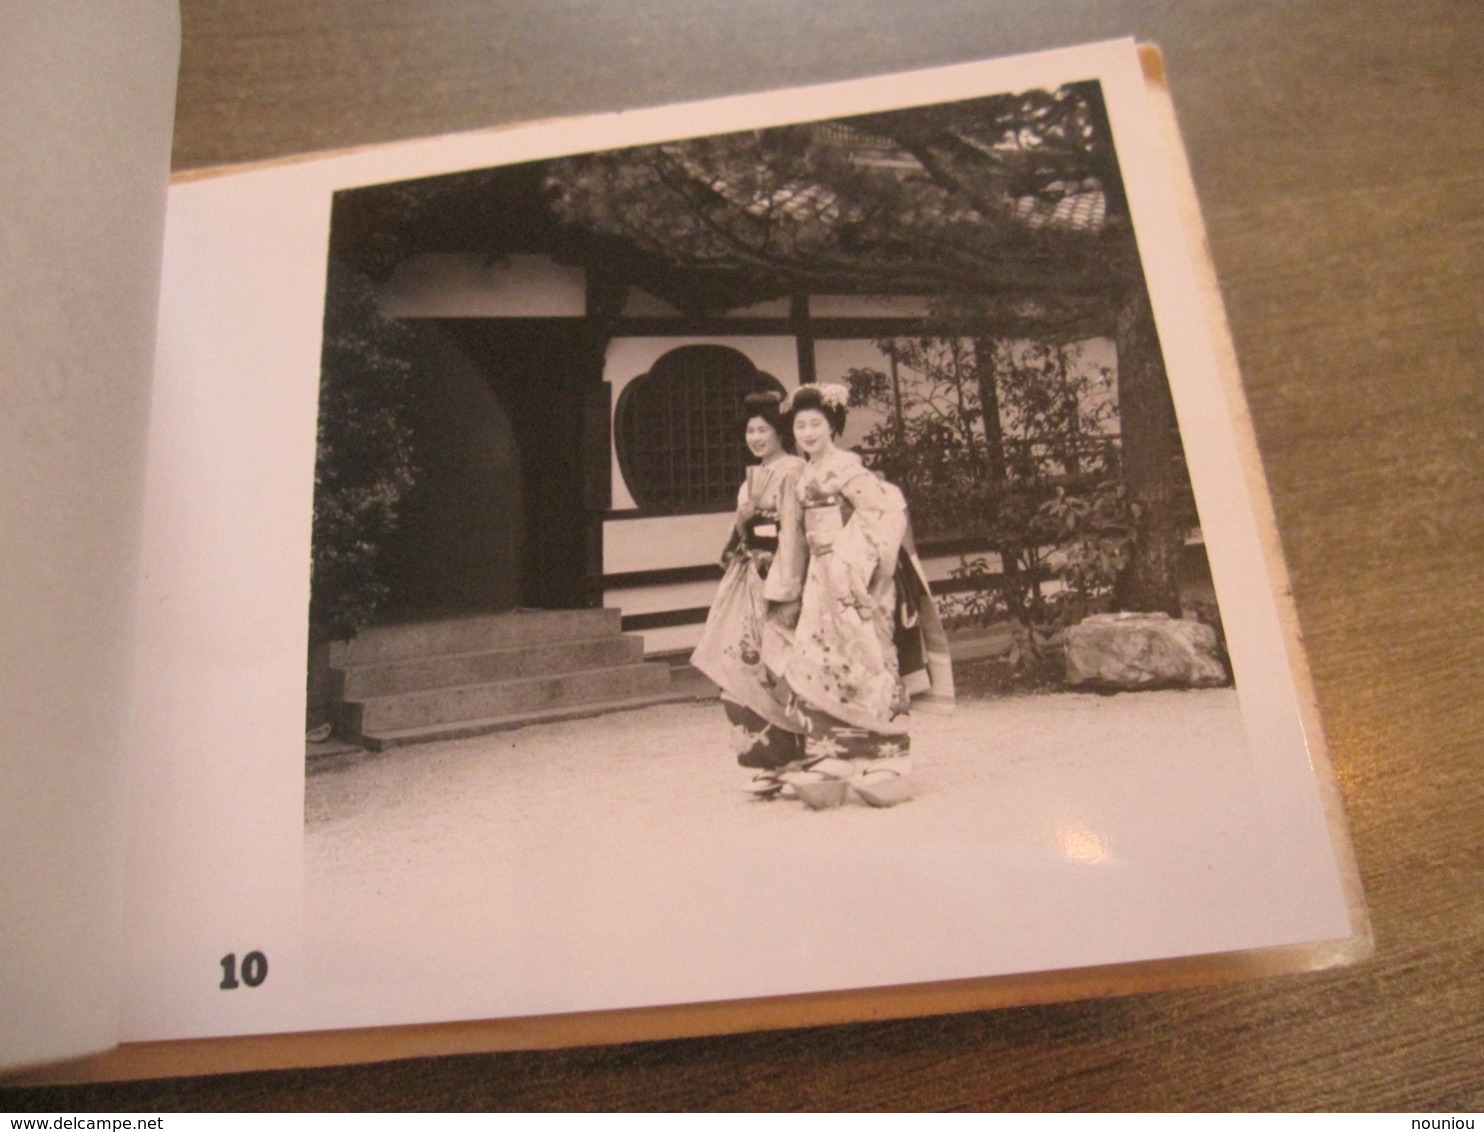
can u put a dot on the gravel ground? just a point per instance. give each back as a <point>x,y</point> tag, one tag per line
<point>616,861</point>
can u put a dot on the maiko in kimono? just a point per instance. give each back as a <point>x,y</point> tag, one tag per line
<point>733,644</point>
<point>864,635</point>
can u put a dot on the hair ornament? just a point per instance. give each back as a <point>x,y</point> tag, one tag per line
<point>832,394</point>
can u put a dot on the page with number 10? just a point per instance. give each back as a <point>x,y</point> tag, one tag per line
<point>485,462</point>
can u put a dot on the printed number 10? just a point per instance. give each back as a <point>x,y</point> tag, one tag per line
<point>254,970</point>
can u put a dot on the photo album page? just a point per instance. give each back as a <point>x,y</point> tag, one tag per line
<point>798,543</point>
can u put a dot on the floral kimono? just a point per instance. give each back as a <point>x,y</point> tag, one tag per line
<point>731,649</point>
<point>865,607</point>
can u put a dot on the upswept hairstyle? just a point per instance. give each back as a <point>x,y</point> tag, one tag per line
<point>827,399</point>
<point>766,405</point>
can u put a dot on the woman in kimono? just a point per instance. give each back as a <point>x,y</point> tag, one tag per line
<point>865,635</point>
<point>731,649</point>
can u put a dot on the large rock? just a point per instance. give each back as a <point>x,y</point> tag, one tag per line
<point>1143,650</point>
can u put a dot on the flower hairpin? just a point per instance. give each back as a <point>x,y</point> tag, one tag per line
<point>832,394</point>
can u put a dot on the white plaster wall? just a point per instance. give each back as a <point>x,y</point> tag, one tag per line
<point>833,359</point>
<point>664,542</point>
<point>662,599</point>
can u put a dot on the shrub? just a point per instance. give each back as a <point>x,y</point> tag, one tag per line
<point>364,459</point>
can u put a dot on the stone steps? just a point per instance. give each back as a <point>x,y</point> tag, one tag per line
<point>470,675</point>
<point>387,677</point>
<point>477,633</point>
<point>466,728</point>
<point>506,697</point>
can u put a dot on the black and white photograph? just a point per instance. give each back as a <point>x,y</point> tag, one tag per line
<point>799,546</point>
<point>824,555</point>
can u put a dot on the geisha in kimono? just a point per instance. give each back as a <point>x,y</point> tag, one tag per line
<point>730,652</point>
<point>865,636</point>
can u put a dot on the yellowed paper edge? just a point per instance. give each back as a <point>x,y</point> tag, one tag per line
<point>1362,944</point>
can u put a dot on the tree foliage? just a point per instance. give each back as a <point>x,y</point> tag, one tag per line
<point>1005,198</point>
<point>364,463</point>
<point>1013,444</point>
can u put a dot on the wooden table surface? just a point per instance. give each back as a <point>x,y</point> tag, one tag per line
<point>1338,148</point>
